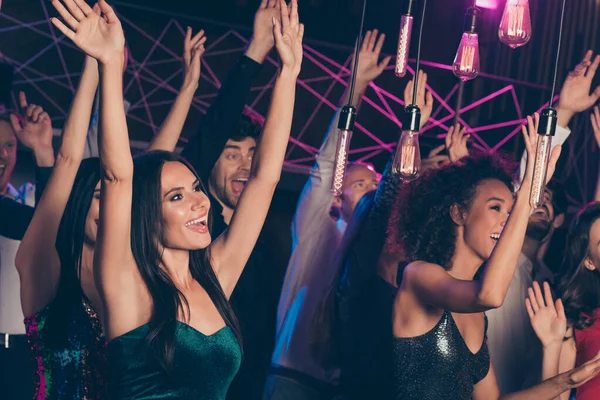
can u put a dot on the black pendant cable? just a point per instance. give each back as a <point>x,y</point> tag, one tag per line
<point>346,120</point>
<point>546,129</point>
<point>407,160</point>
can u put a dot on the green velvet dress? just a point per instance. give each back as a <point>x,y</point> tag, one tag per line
<point>203,366</point>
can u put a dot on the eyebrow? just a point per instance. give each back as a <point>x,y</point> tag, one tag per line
<point>180,188</point>
<point>496,199</point>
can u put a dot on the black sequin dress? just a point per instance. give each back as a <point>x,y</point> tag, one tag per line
<point>438,365</point>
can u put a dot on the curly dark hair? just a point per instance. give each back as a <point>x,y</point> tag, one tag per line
<point>421,223</point>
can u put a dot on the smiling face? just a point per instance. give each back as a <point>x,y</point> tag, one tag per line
<point>8,154</point>
<point>232,170</point>
<point>486,218</point>
<point>185,208</point>
<point>541,220</point>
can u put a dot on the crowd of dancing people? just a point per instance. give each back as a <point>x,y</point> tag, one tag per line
<point>150,277</point>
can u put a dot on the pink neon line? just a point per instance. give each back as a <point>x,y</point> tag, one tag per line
<point>138,119</point>
<point>27,25</point>
<point>150,52</point>
<point>49,78</point>
<point>59,51</point>
<point>156,88</point>
<point>39,32</point>
<point>498,125</point>
<point>36,56</point>
<point>446,99</point>
<point>215,81</point>
<point>516,101</point>
<point>155,104</point>
<point>486,98</point>
<point>370,155</point>
<point>148,113</point>
<point>314,113</point>
<point>33,70</point>
<point>59,108</point>
<point>505,139</point>
<point>387,106</point>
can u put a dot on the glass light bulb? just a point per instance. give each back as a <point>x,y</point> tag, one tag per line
<point>466,62</point>
<point>406,24</point>
<point>515,26</point>
<point>341,157</point>
<point>540,168</point>
<point>407,161</point>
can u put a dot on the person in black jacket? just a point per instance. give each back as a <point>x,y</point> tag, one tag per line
<point>221,152</point>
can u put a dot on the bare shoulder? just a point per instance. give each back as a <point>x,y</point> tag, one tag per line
<point>417,269</point>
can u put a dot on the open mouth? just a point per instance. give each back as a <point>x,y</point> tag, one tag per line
<point>199,224</point>
<point>2,169</point>
<point>542,212</point>
<point>238,185</point>
<point>495,236</point>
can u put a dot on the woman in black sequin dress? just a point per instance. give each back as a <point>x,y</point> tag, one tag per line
<point>451,222</point>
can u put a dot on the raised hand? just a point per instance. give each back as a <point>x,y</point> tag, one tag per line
<point>262,37</point>
<point>434,159</point>
<point>595,117</point>
<point>456,143</point>
<point>99,36</point>
<point>424,97</point>
<point>580,375</point>
<point>369,66</point>
<point>531,136</point>
<point>575,94</point>
<point>193,49</point>
<point>547,317</point>
<point>288,36</point>
<point>35,129</point>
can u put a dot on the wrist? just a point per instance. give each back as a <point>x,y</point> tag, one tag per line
<point>44,156</point>
<point>258,50</point>
<point>189,86</point>
<point>289,72</point>
<point>522,198</point>
<point>113,61</point>
<point>564,116</point>
<point>552,346</point>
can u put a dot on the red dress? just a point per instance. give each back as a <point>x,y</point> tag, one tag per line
<point>588,345</point>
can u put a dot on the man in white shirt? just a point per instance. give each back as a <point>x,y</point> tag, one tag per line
<point>316,235</point>
<point>514,348</point>
<point>35,132</point>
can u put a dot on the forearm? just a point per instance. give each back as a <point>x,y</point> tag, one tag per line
<point>597,193</point>
<point>547,390</point>
<point>269,156</point>
<point>44,157</point>
<point>501,266</point>
<point>550,359</point>
<point>563,116</point>
<point>76,125</point>
<point>169,133</point>
<point>115,154</point>
<point>359,90</point>
<point>257,50</point>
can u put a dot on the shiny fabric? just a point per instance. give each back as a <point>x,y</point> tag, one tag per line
<point>77,370</point>
<point>438,365</point>
<point>203,366</point>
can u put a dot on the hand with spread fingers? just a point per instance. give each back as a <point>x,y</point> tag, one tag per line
<point>456,143</point>
<point>193,49</point>
<point>288,34</point>
<point>434,159</point>
<point>99,35</point>
<point>576,94</point>
<point>424,97</point>
<point>547,317</point>
<point>263,39</point>
<point>369,67</point>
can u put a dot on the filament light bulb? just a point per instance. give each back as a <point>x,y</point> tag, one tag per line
<point>345,126</point>
<point>407,160</point>
<point>546,129</point>
<point>515,26</point>
<point>466,62</point>
<point>406,25</point>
